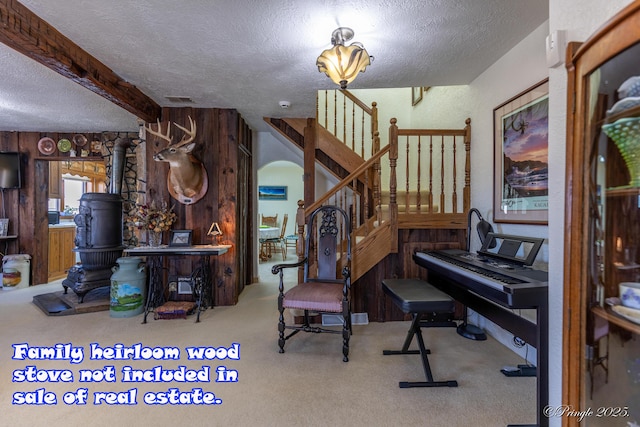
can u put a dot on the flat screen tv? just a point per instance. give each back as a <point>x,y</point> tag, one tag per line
<point>10,170</point>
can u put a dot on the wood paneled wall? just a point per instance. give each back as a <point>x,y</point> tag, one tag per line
<point>26,208</point>
<point>223,141</point>
<point>225,149</point>
<point>367,293</point>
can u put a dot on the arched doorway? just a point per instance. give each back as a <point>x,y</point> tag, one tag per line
<point>286,179</point>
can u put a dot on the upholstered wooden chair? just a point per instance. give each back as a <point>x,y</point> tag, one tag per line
<point>326,280</point>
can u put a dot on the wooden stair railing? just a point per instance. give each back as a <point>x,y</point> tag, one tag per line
<point>432,165</point>
<point>348,119</point>
<point>426,162</point>
<point>337,157</point>
<point>412,207</point>
<point>438,159</point>
<point>358,194</point>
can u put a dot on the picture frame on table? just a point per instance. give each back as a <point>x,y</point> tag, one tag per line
<point>185,286</point>
<point>521,149</point>
<point>180,288</point>
<point>180,238</point>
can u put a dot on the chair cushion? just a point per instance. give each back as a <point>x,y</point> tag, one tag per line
<point>417,296</point>
<point>316,296</point>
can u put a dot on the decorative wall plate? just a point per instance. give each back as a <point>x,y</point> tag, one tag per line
<point>46,146</point>
<point>628,313</point>
<point>79,140</point>
<point>630,87</point>
<point>64,145</point>
<point>624,104</point>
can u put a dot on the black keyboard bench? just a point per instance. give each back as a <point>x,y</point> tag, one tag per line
<point>421,299</point>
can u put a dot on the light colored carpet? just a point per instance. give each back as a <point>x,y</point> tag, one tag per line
<point>309,385</point>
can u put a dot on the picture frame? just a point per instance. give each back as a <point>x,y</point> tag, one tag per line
<point>184,286</point>
<point>272,192</point>
<point>180,288</point>
<point>416,95</point>
<point>521,148</point>
<point>180,238</point>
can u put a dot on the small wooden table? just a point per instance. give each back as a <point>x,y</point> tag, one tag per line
<point>201,276</point>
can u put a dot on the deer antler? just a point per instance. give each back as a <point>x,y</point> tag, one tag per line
<point>189,134</point>
<point>159,133</point>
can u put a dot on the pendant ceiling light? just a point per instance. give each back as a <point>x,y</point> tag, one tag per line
<point>343,63</point>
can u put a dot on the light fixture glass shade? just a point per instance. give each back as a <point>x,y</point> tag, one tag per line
<point>343,63</point>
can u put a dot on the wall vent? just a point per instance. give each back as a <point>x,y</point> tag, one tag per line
<point>179,99</point>
<point>337,320</point>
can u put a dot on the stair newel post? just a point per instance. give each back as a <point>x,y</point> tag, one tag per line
<point>393,184</point>
<point>466,192</point>
<point>300,222</point>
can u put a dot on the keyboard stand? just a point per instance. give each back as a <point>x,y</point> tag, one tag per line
<point>419,298</point>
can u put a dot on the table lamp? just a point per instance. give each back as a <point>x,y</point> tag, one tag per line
<point>214,230</point>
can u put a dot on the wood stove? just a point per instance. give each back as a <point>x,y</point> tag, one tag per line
<point>99,226</point>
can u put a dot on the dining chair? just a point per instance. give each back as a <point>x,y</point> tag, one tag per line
<point>271,221</point>
<point>277,244</point>
<point>291,240</point>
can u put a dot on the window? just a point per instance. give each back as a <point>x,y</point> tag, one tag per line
<point>74,188</point>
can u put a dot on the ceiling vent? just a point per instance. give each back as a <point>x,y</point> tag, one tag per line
<point>179,99</point>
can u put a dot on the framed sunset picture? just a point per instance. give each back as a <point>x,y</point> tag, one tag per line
<point>521,157</point>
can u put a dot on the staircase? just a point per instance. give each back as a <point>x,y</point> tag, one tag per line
<point>429,164</point>
<point>330,152</point>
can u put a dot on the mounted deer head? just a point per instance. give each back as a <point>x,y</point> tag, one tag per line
<point>187,180</point>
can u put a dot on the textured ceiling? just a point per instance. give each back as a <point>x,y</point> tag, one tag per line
<point>251,54</point>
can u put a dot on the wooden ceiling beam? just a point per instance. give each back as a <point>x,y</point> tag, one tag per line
<point>30,35</point>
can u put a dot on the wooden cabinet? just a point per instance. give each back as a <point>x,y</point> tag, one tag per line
<point>73,167</point>
<point>87,168</point>
<point>94,170</point>
<point>602,219</point>
<point>55,181</point>
<point>61,255</point>
<point>97,168</point>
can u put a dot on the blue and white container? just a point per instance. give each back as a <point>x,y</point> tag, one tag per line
<point>16,271</point>
<point>128,287</point>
